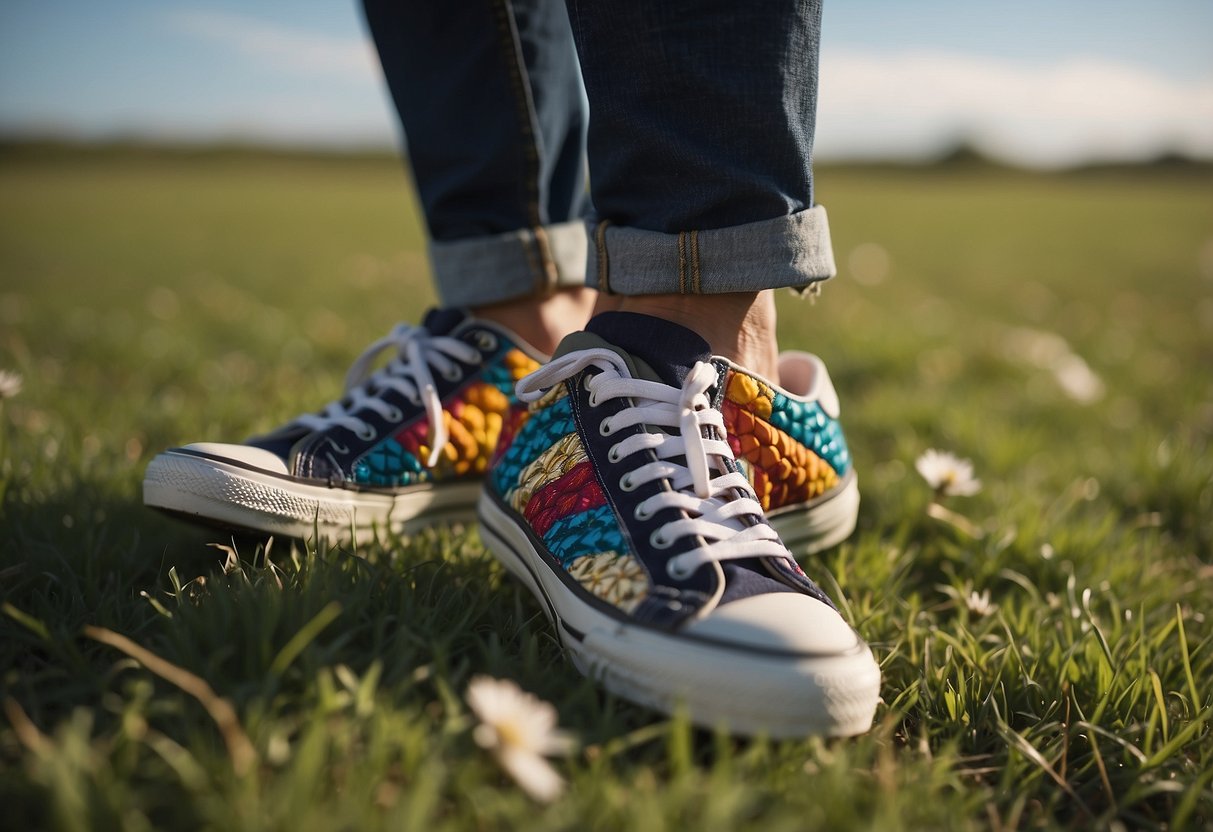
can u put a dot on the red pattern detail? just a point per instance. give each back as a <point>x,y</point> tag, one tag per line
<point>573,493</point>
<point>411,437</point>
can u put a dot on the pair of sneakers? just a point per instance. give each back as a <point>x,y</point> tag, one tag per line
<point>649,494</point>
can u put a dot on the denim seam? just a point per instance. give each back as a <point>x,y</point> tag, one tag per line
<point>548,274</point>
<point>682,262</point>
<point>604,268</point>
<point>695,263</point>
<point>535,265</point>
<point>689,256</point>
<point>523,103</point>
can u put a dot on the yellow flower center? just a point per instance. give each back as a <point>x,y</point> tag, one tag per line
<point>509,734</point>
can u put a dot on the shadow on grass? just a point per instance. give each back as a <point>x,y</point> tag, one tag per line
<point>262,621</point>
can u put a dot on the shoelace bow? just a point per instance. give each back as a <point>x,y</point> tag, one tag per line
<point>718,506</point>
<point>408,373</point>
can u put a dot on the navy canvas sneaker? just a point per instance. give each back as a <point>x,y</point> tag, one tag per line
<point>406,446</point>
<point>617,499</point>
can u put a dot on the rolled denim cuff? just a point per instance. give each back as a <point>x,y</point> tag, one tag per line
<point>792,251</point>
<point>522,263</point>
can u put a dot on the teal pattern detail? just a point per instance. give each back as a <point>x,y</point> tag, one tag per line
<point>389,464</point>
<point>497,374</point>
<point>584,533</point>
<point>809,425</point>
<point>542,430</point>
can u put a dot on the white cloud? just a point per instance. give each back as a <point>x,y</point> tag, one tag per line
<point>918,102</point>
<point>282,47</point>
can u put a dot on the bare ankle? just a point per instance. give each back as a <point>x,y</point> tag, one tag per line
<point>542,321</point>
<point>740,326</point>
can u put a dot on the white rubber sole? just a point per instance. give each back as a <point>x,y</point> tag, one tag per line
<point>750,692</point>
<point>215,492</point>
<point>812,527</point>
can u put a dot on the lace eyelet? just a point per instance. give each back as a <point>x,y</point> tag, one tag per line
<point>659,542</point>
<point>455,374</point>
<point>604,427</point>
<point>366,433</point>
<point>613,454</point>
<point>586,378</point>
<point>487,341</point>
<point>675,570</point>
<point>640,514</point>
<point>626,484</point>
<point>395,415</point>
<point>592,401</point>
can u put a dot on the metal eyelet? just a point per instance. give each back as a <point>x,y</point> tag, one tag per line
<point>487,341</point>
<point>640,514</point>
<point>676,571</point>
<point>395,414</point>
<point>626,484</point>
<point>604,427</point>
<point>658,541</point>
<point>454,374</point>
<point>613,454</point>
<point>366,433</point>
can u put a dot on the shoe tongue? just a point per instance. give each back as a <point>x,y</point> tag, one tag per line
<point>667,349</point>
<point>443,321</point>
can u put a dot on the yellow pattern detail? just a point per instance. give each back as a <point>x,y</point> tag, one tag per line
<point>519,364</point>
<point>552,464</point>
<point>749,392</point>
<point>618,579</point>
<point>473,436</point>
<point>549,398</point>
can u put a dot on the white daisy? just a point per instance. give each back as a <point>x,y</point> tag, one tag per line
<point>948,474</point>
<point>519,729</point>
<point>10,383</point>
<point>980,604</point>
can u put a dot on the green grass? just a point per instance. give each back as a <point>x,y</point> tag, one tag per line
<point>152,299</point>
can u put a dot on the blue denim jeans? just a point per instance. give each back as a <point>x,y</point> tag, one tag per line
<point>700,121</point>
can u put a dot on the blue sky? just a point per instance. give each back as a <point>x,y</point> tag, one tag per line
<point>1038,82</point>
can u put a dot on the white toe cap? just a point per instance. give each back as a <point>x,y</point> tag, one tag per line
<point>779,621</point>
<point>242,454</point>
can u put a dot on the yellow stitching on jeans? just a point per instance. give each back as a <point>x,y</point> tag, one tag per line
<point>604,283</point>
<point>695,263</point>
<point>547,262</point>
<point>535,266</point>
<point>682,262</point>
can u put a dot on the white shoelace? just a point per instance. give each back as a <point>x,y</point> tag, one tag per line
<point>408,373</point>
<point>716,503</point>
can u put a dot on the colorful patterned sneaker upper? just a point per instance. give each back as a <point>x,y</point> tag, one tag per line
<point>789,442</point>
<point>408,440</point>
<point>617,500</point>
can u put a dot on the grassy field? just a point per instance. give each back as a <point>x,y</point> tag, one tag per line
<point>1047,650</point>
